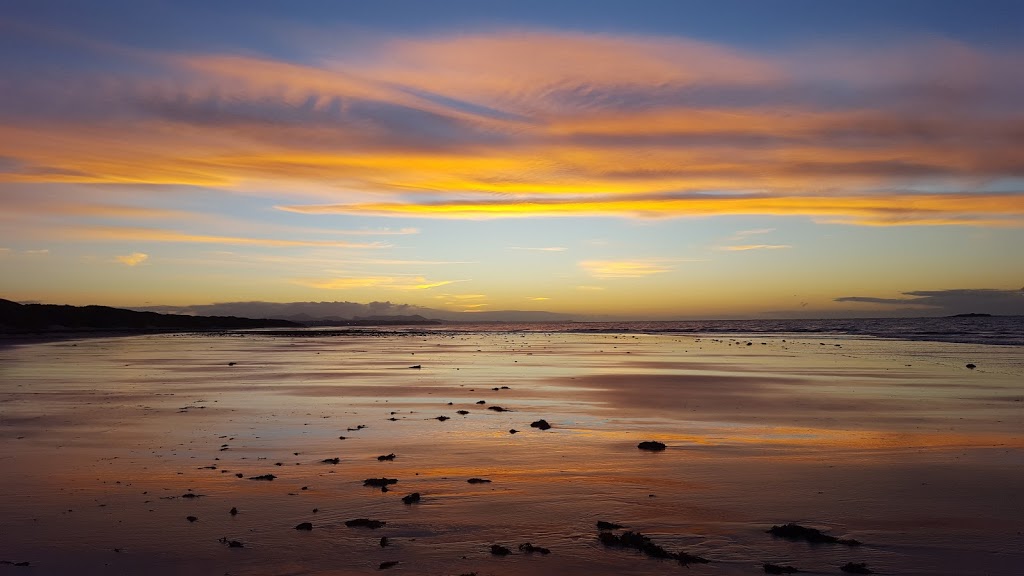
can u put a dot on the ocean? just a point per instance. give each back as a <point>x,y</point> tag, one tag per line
<point>994,330</point>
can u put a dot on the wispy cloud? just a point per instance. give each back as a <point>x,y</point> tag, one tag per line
<point>625,268</point>
<point>38,252</point>
<point>379,232</point>
<point>545,122</point>
<point>544,249</point>
<point>133,259</point>
<point>463,296</point>
<point>590,288</point>
<point>990,209</point>
<point>755,232</point>
<point>158,235</point>
<point>386,282</point>
<point>538,298</point>
<point>392,262</point>
<point>745,247</point>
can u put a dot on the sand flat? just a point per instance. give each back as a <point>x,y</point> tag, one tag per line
<point>893,443</point>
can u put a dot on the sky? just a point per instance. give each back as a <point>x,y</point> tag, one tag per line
<point>640,159</point>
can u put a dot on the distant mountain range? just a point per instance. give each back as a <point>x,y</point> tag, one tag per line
<point>15,317</point>
<point>349,313</point>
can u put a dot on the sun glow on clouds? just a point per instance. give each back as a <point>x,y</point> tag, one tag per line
<point>569,123</point>
<point>876,209</point>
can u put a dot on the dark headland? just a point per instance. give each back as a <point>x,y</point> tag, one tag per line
<point>45,319</point>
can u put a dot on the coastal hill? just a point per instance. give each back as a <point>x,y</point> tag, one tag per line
<point>15,317</point>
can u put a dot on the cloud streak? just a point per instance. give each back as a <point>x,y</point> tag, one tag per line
<point>385,282</point>
<point>625,268</point>
<point>546,122</point>
<point>544,249</point>
<point>746,247</point>
<point>993,209</point>
<point>118,233</point>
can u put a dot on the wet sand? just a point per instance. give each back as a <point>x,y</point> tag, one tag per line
<point>895,444</point>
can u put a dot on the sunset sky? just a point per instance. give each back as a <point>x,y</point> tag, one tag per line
<point>641,159</point>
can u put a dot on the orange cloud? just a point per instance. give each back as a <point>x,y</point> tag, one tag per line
<point>896,209</point>
<point>133,259</point>
<point>611,125</point>
<point>624,268</point>
<point>389,282</point>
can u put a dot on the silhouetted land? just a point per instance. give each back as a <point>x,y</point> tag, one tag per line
<point>18,319</point>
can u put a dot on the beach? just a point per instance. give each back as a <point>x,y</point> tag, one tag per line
<point>109,445</point>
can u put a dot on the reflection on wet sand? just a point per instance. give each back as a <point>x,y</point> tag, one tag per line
<point>109,445</point>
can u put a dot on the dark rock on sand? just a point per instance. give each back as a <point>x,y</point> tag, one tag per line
<point>416,367</point>
<point>239,475</point>
<point>530,549</point>
<point>386,457</point>
<point>462,412</point>
<point>304,526</point>
<point>411,498</point>
<point>383,541</point>
<point>971,366</point>
<point>231,543</point>
<point>481,402</point>
<point>388,564</point>
<point>381,482</point>
<point>364,523</point>
<point>191,518</point>
<point>651,445</point>
<point>331,461</point>
<point>856,568</point>
<point>498,409</point>
<point>638,541</point>
<point>191,495</point>
<point>499,550</point>
<point>263,477</point>
<point>478,481</point>
<point>602,525</point>
<point>686,558</point>
<point>442,418</point>
<point>540,424</point>
<point>770,568</point>
<point>513,431</point>
<point>814,536</point>
<point>233,511</point>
